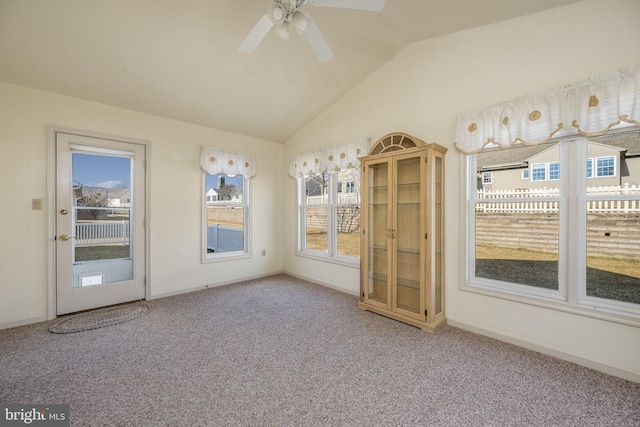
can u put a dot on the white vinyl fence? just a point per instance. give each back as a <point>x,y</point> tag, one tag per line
<point>224,239</point>
<point>502,200</point>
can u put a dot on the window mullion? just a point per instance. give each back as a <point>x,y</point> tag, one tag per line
<point>331,214</point>
<point>580,192</point>
<point>573,249</point>
<point>302,206</point>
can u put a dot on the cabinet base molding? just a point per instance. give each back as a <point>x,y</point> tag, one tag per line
<point>427,327</point>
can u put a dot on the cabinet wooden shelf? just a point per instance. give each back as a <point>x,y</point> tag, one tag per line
<point>402,239</point>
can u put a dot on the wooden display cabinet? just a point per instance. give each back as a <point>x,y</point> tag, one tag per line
<point>402,239</point>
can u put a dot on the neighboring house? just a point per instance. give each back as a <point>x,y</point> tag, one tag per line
<point>611,161</point>
<point>119,197</point>
<point>348,187</point>
<point>213,197</point>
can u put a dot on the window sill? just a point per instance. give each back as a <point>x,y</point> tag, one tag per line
<point>225,256</point>
<point>340,260</point>
<point>582,309</point>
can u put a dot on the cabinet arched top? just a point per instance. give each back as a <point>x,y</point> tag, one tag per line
<point>399,141</point>
<point>395,142</point>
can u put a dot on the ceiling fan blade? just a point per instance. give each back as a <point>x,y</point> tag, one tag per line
<point>253,39</point>
<point>372,5</point>
<point>317,42</point>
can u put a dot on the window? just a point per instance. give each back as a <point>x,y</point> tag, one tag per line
<point>225,216</point>
<point>351,186</point>
<point>574,247</point>
<point>525,173</point>
<point>329,219</point>
<point>554,171</point>
<point>487,178</point>
<point>605,166</point>
<point>539,172</point>
<point>589,168</point>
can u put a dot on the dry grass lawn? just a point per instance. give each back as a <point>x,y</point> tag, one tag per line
<point>626,267</point>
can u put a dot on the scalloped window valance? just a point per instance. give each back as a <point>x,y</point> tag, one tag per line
<point>329,159</point>
<point>216,161</point>
<point>589,108</point>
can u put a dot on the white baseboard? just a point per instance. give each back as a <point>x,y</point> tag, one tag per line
<point>607,368</point>
<point>23,322</point>
<point>213,285</point>
<point>327,285</point>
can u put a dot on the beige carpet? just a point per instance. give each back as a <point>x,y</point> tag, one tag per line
<point>284,352</point>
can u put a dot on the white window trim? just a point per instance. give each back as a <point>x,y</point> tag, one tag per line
<point>595,167</point>
<point>531,174</point>
<point>549,171</point>
<point>488,175</point>
<point>572,239</point>
<point>332,255</point>
<point>592,163</point>
<point>226,256</point>
<point>525,172</point>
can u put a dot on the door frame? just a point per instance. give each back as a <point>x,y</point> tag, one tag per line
<point>51,208</point>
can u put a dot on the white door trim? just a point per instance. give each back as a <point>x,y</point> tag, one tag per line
<point>51,213</point>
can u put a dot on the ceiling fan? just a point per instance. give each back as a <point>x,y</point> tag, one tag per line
<point>285,14</point>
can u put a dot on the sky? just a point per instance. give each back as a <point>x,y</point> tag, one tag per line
<point>212,181</point>
<point>92,170</point>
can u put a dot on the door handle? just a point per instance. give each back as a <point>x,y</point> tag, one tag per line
<point>65,237</point>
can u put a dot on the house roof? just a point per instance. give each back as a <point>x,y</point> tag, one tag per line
<point>628,142</point>
<point>180,60</point>
<point>119,193</point>
<point>507,159</point>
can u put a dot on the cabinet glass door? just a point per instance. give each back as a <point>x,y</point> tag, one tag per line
<point>377,229</point>
<point>407,235</point>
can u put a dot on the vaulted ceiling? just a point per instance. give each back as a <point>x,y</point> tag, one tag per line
<point>178,58</point>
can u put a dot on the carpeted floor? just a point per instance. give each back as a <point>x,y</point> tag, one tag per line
<point>283,352</point>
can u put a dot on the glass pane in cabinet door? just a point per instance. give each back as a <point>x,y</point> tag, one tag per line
<point>407,235</point>
<point>438,274</point>
<point>377,228</point>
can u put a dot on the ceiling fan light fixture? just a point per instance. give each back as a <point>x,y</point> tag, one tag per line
<point>282,31</point>
<point>300,21</point>
<point>276,13</point>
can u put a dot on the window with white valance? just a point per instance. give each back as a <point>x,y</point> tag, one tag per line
<point>329,159</point>
<point>552,191</point>
<point>329,201</point>
<point>225,203</point>
<point>589,108</point>
<point>215,161</point>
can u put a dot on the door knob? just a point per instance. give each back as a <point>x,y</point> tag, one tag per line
<point>66,237</point>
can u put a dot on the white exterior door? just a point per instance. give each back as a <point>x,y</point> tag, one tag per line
<point>99,222</point>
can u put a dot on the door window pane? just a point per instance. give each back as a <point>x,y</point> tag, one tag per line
<point>102,219</point>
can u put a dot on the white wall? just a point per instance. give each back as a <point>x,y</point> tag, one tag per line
<point>422,91</point>
<point>176,192</point>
